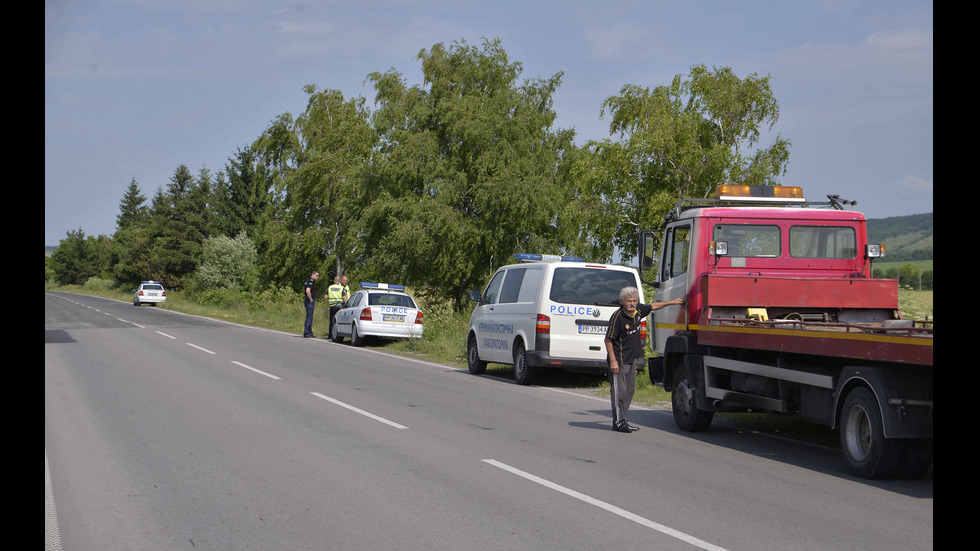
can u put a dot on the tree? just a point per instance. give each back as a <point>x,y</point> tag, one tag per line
<point>132,208</point>
<point>240,200</point>
<point>319,162</point>
<point>468,170</point>
<point>228,263</point>
<point>179,224</point>
<point>74,261</point>
<point>679,140</point>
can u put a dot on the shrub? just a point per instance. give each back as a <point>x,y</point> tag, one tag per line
<point>95,283</point>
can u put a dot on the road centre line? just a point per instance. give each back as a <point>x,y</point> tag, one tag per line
<point>608,507</point>
<point>269,375</point>
<point>361,411</point>
<point>199,348</point>
<point>166,335</point>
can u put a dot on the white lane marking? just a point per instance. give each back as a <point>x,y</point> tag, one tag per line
<point>166,335</point>
<point>52,536</point>
<point>361,411</point>
<point>606,506</point>
<point>199,348</point>
<point>269,375</point>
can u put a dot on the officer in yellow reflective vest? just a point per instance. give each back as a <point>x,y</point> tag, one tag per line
<point>345,294</point>
<point>337,294</point>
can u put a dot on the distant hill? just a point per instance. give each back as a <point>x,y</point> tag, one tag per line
<point>905,237</point>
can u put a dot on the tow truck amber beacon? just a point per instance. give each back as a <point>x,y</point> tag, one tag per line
<point>783,316</point>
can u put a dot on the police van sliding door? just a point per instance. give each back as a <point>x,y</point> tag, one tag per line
<point>673,278</point>
<point>489,340</point>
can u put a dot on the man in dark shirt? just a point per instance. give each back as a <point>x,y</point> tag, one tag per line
<point>309,301</point>
<point>624,349</point>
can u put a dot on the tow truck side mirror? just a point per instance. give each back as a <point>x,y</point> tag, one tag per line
<point>476,295</point>
<point>648,250</point>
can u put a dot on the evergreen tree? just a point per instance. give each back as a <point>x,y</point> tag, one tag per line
<point>247,191</point>
<point>132,208</point>
<point>178,227</point>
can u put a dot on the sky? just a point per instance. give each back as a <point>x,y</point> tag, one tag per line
<point>135,88</point>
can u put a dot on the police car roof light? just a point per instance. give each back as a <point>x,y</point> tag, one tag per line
<point>532,257</point>
<point>389,286</point>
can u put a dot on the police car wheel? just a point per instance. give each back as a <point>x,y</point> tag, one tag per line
<point>355,339</point>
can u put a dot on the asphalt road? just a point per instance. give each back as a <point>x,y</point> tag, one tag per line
<point>164,431</point>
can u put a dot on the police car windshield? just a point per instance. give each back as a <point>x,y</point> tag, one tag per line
<point>595,286</point>
<point>385,299</point>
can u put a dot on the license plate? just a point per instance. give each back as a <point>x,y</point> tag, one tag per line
<point>151,294</point>
<point>392,317</point>
<point>591,330</point>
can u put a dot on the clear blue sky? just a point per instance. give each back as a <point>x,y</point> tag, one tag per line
<point>135,88</point>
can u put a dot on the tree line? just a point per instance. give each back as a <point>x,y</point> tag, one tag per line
<point>439,184</point>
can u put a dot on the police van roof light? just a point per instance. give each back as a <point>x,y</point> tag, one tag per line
<point>789,194</point>
<point>389,286</point>
<point>532,257</point>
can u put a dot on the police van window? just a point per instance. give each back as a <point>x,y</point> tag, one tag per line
<point>593,286</point>
<point>512,285</point>
<point>529,285</point>
<point>676,251</point>
<point>749,240</point>
<point>490,295</point>
<point>822,242</point>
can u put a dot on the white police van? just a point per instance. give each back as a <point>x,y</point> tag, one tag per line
<point>547,312</point>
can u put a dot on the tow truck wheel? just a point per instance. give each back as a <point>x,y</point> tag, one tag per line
<point>862,438</point>
<point>686,414</point>
<point>476,366</point>
<point>522,372</point>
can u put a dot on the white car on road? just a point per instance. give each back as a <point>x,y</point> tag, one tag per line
<point>378,310</point>
<point>149,292</point>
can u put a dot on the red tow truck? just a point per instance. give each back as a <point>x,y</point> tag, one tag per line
<point>782,315</point>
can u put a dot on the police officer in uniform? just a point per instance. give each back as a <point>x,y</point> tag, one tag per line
<point>309,301</point>
<point>345,294</point>
<point>336,296</point>
<point>624,348</point>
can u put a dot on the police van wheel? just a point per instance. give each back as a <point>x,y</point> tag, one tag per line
<point>523,373</point>
<point>476,366</point>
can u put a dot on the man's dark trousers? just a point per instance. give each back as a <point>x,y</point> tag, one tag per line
<point>308,328</point>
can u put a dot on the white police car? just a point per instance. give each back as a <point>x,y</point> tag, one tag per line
<point>149,292</point>
<point>547,312</point>
<point>378,310</point>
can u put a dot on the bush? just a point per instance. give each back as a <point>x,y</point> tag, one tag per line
<point>221,298</point>
<point>273,298</point>
<point>228,263</point>
<point>99,284</point>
